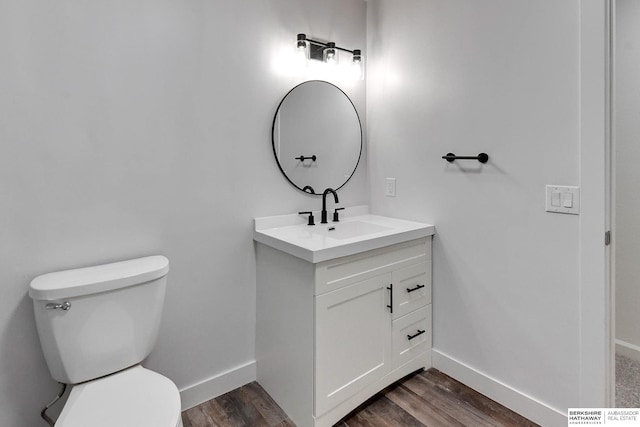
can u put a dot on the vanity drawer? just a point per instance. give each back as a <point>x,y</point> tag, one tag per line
<point>411,288</point>
<point>334,274</point>
<point>408,340</point>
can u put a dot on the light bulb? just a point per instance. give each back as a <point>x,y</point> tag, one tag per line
<point>302,43</point>
<point>301,52</point>
<point>356,65</point>
<point>301,46</point>
<point>330,54</point>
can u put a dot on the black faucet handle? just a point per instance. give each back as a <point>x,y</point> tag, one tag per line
<point>335,214</point>
<point>311,221</point>
<point>308,189</point>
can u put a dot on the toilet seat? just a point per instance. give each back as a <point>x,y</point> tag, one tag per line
<point>135,397</point>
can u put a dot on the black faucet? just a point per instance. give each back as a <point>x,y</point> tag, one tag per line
<point>324,203</point>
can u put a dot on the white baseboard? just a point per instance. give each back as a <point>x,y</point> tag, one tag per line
<point>628,350</point>
<point>208,389</point>
<point>513,399</point>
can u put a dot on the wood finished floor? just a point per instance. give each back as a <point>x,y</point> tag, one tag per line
<point>429,398</point>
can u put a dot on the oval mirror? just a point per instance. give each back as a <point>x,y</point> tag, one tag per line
<point>317,137</point>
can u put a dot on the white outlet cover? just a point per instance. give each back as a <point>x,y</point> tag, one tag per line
<point>390,187</point>
<point>566,192</point>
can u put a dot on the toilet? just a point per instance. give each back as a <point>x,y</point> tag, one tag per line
<point>96,325</point>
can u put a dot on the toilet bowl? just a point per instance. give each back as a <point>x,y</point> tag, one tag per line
<point>135,397</point>
<point>96,324</point>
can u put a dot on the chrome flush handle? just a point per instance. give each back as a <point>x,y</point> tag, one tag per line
<point>66,306</point>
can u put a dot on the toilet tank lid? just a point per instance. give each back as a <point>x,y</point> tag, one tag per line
<point>100,278</point>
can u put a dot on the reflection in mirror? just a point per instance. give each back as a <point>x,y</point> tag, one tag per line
<point>317,137</point>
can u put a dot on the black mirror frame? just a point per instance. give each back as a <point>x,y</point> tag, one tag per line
<point>273,142</point>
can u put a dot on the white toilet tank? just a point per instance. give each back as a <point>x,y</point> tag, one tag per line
<point>98,320</point>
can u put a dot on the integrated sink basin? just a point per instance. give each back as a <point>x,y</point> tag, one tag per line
<point>348,229</point>
<point>357,231</point>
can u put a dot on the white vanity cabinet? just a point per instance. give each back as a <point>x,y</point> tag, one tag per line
<point>332,334</point>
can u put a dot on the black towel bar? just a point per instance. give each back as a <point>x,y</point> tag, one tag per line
<point>482,157</point>
<point>303,158</point>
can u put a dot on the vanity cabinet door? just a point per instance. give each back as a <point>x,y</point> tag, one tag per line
<point>352,340</point>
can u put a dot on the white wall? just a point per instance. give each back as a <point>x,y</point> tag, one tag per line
<point>597,364</point>
<point>627,157</point>
<point>499,76</point>
<point>135,128</point>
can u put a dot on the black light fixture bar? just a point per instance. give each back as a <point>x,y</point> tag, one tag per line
<point>319,43</point>
<point>303,37</point>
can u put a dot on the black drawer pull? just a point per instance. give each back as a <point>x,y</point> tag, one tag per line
<point>410,337</point>
<point>390,289</point>
<point>409,290</point>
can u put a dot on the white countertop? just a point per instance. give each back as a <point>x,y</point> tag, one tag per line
<point>357,231</point>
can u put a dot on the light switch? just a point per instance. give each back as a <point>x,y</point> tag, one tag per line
<point>563,199</point>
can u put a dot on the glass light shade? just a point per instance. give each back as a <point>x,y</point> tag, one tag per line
<point>356,65</point>
<point>301,52</point>
<point>355,71</point>
<point>301,48</point>
<point>330,54</point>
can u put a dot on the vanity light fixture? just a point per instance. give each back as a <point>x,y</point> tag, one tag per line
<point>326,52</point>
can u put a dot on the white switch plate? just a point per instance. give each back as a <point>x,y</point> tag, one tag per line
<point>390,187</point>
<point>566,193</point>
